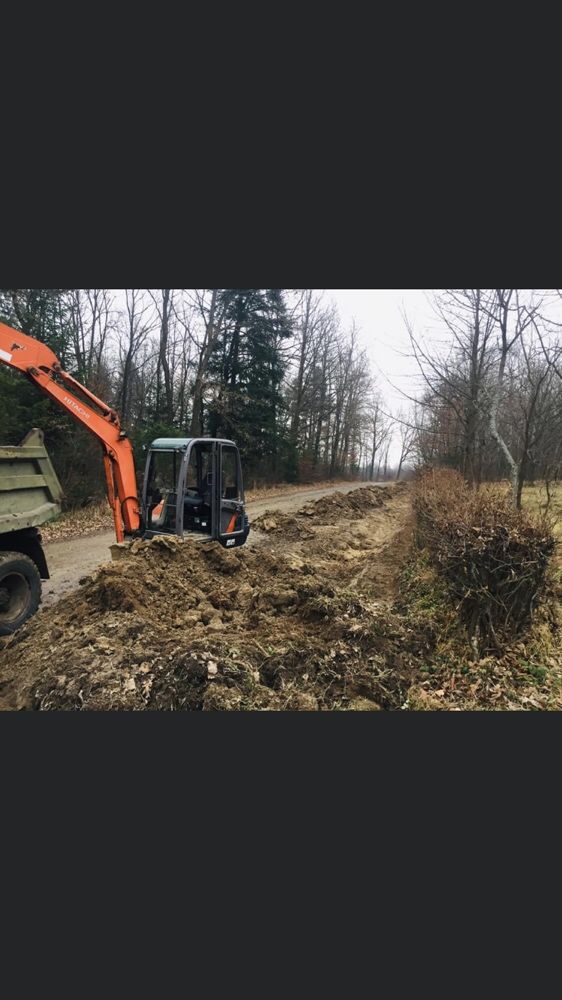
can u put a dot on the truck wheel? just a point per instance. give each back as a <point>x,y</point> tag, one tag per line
<point>20,590</point>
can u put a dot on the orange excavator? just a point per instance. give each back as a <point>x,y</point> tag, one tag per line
<point>192,486</point>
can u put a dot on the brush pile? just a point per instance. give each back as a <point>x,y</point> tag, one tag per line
<point>493,557</point>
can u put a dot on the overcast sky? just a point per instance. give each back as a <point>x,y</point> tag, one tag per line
<point>378,313</point>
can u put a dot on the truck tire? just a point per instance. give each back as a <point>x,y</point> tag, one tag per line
<point>20,590</point>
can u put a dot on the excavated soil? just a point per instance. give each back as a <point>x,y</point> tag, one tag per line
<point>328,510</point>
<point>300,621</point>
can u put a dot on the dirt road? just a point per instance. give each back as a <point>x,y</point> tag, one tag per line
<point>75,558</point>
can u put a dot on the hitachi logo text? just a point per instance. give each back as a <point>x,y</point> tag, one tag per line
<point>78,409</point>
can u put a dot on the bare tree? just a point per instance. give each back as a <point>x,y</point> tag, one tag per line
<point>455,375</point>
<point>207,305</point>
<point>488,384</point>
<point>139,323</point>
<point>91,313</point>
<point>380,432</point>
<point>511,317</point>
<point>163,301</point>
<point>407,436</point>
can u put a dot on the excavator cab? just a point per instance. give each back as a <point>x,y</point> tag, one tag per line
<point>193,488</point>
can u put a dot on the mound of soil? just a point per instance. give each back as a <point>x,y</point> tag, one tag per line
<point>328,510</point>
<point>341,617</point>
<point>179,625</point>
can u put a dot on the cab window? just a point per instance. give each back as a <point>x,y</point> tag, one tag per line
<point>200,469</point>
<point>162,489</point>
<point>230,487</point>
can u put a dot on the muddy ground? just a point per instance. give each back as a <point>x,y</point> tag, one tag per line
<point>303,620</point>
<point>70,559</point>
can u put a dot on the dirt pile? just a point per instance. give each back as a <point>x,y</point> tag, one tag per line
<point>97,516</point>
<point>328,510</point>
<point>180,625</point>
<point>343,617</point>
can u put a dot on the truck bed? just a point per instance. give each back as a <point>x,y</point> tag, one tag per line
<point>30,493</point>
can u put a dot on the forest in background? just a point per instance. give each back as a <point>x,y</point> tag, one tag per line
<point>277,371</point>
<point>272,369</point>
<point>490,399</point>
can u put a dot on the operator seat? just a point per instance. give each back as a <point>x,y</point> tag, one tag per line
<point>192,502</point>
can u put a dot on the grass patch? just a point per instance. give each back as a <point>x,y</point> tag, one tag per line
<point>535,500</point>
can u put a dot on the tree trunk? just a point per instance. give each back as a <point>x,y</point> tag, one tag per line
<point>196,429</point>
<point>163,362</point>
<point>513,465</point>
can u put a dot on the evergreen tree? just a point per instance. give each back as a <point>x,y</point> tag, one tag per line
<point>248,368</point>
<point>40,313</point>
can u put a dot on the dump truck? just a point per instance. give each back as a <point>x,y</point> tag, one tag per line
<point>30,495</point>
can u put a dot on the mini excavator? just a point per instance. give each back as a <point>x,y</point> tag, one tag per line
<point>192,487</point>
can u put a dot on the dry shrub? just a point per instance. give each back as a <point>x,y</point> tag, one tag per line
<point>493,557</point>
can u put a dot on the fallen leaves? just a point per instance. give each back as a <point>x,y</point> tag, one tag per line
<point>79,523</point>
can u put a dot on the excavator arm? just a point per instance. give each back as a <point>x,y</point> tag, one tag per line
<point>42,367</point>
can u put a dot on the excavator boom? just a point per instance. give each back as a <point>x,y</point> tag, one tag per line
<point>41,366</point>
